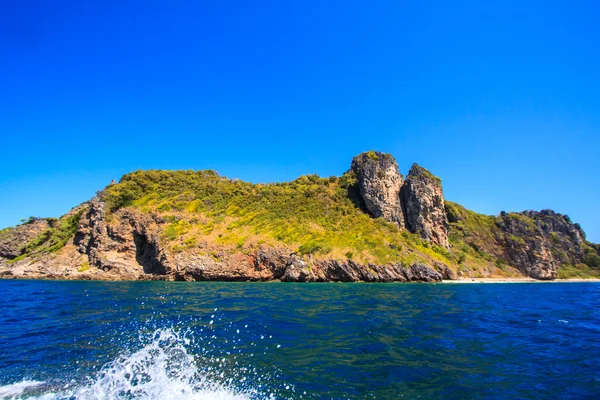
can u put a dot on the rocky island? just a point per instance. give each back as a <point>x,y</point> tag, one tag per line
<point>370,225</point>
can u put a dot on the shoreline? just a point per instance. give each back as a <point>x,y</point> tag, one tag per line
<point>444,281</point>
<point>518,280</point>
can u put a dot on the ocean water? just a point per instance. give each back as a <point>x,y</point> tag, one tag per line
<point>175,340</point>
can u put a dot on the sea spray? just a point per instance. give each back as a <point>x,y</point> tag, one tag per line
<point>16,389</point>
<point>196,361</point>
<point>163,369</point>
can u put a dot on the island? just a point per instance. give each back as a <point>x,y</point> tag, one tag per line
<point>369,225</point>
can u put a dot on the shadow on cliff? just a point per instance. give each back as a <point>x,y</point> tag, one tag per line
<point>147,255</point>
<point>353,193</point>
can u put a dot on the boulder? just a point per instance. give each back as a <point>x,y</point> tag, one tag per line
<point>419,272</point>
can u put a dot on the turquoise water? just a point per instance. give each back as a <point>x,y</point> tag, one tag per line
<point>278,340</point>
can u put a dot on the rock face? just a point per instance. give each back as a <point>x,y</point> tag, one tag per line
<point>299,270</point>
<point>416,204</point>
<point>269,264</point>
<point>14,240</point>
<point>379,182</point>
<point>446,272</point>
<point>536,243</point>
<point>423,204</point>
<point>129,248</point>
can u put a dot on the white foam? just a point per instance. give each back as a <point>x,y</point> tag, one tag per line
<point>15,389</point>
<point>162,369</point>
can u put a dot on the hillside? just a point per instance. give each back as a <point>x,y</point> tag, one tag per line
<point>370,224</point>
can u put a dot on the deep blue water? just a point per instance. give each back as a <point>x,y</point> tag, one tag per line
<point>255,340</point>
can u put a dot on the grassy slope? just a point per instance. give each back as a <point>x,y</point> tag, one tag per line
<point>323,217</point>
<point>312,215</point>
<point>476,236</point>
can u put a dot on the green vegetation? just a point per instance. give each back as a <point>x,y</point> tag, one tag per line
<point>592,260</point>
<point>316,217</point>
<point>416,168</point>
<point>476,234</point>
<point>84,267</point>
<point>372,155</point>
<point>524,221</point>
<point>580,271</point>
<point>312,215</point>
<point>28,220</point>
<point>54,238</point>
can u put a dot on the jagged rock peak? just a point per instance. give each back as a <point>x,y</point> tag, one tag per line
<point>538,242</point>
<point>526,246</point>
<point>379,182</point>
<point>423,205</point>
<point>418,172</point>
<point>551,221</point>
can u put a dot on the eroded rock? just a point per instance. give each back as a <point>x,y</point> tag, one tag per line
<point>130,246</point>
<point>379,182</point>
<point>423,205</point>
<point>536,243</point>
<point>13,240</point>
<point>446,272</point>
<point>419,272</point>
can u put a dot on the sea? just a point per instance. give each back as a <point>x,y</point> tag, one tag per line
<point>211,340</point>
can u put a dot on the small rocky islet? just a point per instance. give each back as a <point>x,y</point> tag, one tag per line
<point>369,225</point>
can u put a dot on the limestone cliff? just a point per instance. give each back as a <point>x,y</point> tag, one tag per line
<point>423,204</point>
<point>542,245</point>
<point>537,243</point>
<point>380,181</point>
<point>416,204</point>
<point>128,247</point>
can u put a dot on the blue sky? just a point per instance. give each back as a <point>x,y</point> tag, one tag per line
<point>499,99</point>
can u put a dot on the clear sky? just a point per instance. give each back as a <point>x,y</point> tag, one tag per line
<point>501,99</point>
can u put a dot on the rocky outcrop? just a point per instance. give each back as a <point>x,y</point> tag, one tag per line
<point>445,271</point>
<point>13,240</point>
<point>416,204</point>
<point>299,270</point>
<point>130,247</point>
<point>537,243</point>
<point>379,182</point>
<point>281,264</point>
<point>423,204</point>
<point>422,272</point>
<point>214,264</point>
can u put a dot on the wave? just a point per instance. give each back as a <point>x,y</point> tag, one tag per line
<point>162,369</point>
<point>16,389</point>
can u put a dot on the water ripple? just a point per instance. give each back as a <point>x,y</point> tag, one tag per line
<point>341,341</point>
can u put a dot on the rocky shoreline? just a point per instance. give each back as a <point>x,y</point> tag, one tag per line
<point>132,250</point>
